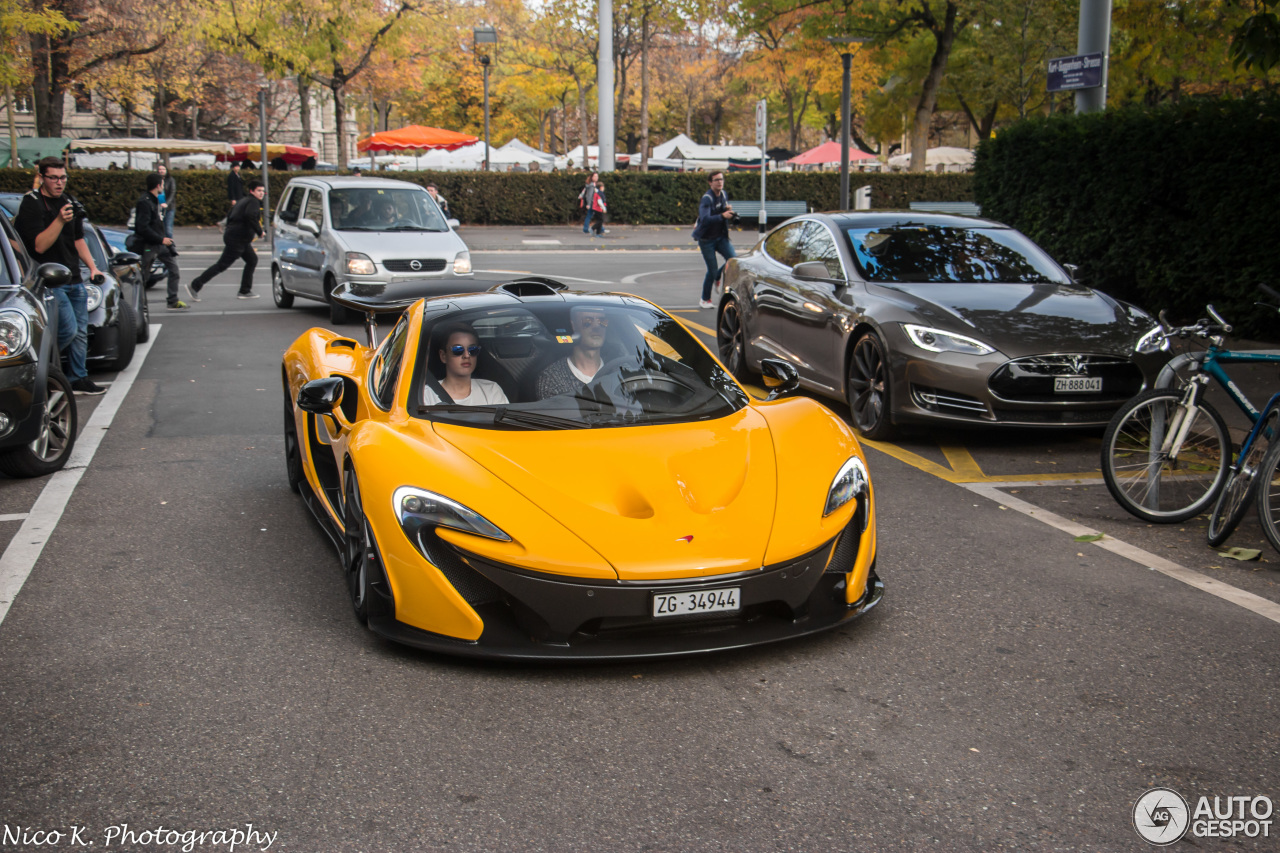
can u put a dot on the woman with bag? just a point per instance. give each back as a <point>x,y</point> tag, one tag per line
<point>585,199</point>
<point>600,206</point>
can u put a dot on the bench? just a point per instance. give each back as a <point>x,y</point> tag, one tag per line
<point>749,211</point>
<point>963,208</point>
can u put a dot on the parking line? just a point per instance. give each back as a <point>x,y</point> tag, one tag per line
<point>14,516</point>
<point>38,525</point>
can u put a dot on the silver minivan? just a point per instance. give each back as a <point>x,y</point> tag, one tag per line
<point>332,230</point>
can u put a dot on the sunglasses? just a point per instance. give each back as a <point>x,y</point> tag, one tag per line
<point>459,349</point>
<point>593,321</point>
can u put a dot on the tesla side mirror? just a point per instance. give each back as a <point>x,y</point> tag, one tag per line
<point>321,396</point>
<point>310,226</point>
<point>53,275</point>
<point>453,223</point>
<point>812,270</point>
<point>780,376</point>
<point>122,259</point>
<point>1072,270</point>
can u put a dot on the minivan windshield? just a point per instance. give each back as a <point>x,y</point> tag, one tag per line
<point>384,209</point>
<point>937,254</point>
<point>568,365</point>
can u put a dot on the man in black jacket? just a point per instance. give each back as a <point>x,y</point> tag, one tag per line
<point>150,242</point>
<point>244,225</point>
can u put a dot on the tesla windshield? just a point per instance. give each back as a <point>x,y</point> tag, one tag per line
<point>383,209</point>
<point>920,253</point>
<point>568,365</point>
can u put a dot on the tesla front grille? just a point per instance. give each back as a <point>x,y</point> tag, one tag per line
<point>947,402</point>
<point>1034,379</point>
<point>407,265</point>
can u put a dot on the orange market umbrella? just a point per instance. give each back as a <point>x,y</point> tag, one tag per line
<point>415,137</point>
<point>828,153</point>
<point>292,154</point>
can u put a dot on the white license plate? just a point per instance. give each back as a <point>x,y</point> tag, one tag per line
<point>1077,384</point>
<point>702,601</point>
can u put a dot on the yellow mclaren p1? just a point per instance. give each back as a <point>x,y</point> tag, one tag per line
<point>534,473</point>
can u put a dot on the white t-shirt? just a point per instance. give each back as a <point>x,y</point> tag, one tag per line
<point>484,392</point>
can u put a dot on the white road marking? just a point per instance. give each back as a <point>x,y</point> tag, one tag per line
<point>14,516</point>
<point>24,549</point>
<point>1256,603</point>
<point>632,279</point>
<point>541,242</point>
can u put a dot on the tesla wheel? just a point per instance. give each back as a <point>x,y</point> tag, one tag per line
<point>337,314</point>
<point>731,341</point>
<point>282,297</point>
<point>292,449</point>
<point>52,446</point>
<point>126,339</point>
<point>1138,471</point>
<point>361,551</point>
<point>868,389</point>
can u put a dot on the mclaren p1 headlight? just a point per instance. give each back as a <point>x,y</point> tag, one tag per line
<point>93,296</point>
<point>1153,341</point>
<point>851,482</point>
<point>15,333</point>
<point>418,508</point>
<point>936,340</point>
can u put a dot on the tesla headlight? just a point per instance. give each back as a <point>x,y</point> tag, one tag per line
<point>15,333</point>
<point>93,295</point>
<point>936,340</point>
<point>418,508</point>
<point>851,482</point>
<point>1153,341</point>
<point>462,263</point>
<point>360,264</point>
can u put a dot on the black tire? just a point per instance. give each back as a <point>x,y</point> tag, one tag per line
<point>361,550</point>
<point>292,446</point>
<point>1154,488</point>
<point>731,341</point>
<point>282,297</point>
<point>337,314</point>
<point>144,318</point>
<point>1235,497</point>
<point>51,449</point>
<point>126,339</point>
<point>1268,495</point>
<point>867,388</point>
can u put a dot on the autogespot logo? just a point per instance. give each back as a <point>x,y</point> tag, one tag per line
<point>1160,816</point>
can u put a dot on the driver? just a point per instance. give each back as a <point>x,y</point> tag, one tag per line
<point>460,355</point>
<point>383,213</point>
<point>570,375</point>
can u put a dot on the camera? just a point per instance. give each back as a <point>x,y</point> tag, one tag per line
<point>78,213</point>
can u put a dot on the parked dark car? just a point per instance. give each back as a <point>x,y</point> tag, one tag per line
<point>117,240</point>
<point>38,418</point>
<point>911,316</point>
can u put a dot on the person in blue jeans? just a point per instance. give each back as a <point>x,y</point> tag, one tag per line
<point>586,198</point>
<point>712,233</point>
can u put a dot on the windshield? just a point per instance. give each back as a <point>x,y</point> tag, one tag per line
<point>96,249</point>
<point>384,209</point>
<point>577,365</point>
<point>920,253</point>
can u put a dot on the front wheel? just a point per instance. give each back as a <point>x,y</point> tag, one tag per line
<point>292,447</point>
<point>1138,471</point>
<point>731,341</point>
<point>868,388</point>
<point>337,313</point>
<point>52,446</point>
<point>126,339</point>
<point>282,297</point>
<point>1233,501</point>
<point>360,551</point>
<point>1268,492</point>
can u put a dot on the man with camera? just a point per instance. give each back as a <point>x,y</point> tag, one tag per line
<point>712,233</point>
<point>51,225</point>
<point>149,239</point>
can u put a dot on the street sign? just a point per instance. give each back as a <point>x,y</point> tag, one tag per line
<point>762,122</point>
<point>1067,73</point>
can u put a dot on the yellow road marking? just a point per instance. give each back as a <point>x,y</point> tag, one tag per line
<point>962,462</point>
<point>699,327</point>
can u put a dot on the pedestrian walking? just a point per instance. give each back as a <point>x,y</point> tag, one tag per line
<point>585,198</point>
<point>150,241</point>
<point>244,225</point>
<point>712,233</point>
<point>168,198</point>
<point>51,226</point>
<point>235,186</point>
<point>600,206</point>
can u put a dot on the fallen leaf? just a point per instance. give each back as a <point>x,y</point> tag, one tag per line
<point>1242,554</point>
<point>1089,537</point>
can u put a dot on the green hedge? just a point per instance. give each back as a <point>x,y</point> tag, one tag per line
<point>519,198</point>
<point>1169,208</point>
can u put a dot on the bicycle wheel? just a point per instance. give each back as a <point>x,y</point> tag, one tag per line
<point>1233,500</point>
<point>1143,479</point>
<point>1268,492</point>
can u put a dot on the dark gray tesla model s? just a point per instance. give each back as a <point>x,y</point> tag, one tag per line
<point>917,317</point>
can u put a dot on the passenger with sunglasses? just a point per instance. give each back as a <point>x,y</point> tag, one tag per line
<point>460,355</point>
<point>572,374</point>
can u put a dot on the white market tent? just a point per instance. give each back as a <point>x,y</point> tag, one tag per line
<point>134,152</point>
<point>950,159</point>
<point>663,151</point>
<point>717,153</point>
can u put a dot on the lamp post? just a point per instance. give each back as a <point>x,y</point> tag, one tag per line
<point>846,62</point>
<point>486,35</point>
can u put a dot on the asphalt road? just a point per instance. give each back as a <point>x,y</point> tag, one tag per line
<point>183,653</point>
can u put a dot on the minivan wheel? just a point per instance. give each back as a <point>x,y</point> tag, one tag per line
<point>282,297</point>
<point>337,314</point>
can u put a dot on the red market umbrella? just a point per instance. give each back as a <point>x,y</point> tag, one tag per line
<point>294,155</point>
<point>415,137</point>
<point>828,153</point>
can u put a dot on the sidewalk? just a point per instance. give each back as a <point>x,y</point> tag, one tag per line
<point>528,238</point>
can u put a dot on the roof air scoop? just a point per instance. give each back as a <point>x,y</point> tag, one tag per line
<point>532,286</point>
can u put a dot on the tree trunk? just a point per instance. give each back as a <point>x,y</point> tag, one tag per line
<point>304,109</point>
<point>47,84</point>
<point>339,121</point>
<point>13,130</point>
<point>582,124</point>
<point>929,91</point>
<point>161,118</point>
<point>644,91</point>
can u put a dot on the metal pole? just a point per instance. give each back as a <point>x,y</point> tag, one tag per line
<point>266,188</point>
<point>1094,37</point>
<point>487,165</point>
<point>846,62</point>
<point>762,138</point>
<point>604,86</point>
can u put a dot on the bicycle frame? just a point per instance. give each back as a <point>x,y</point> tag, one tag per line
<point>1210,362</point>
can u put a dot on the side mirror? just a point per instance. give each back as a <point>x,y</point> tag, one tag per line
<point>321,396</point>
<point>780,376</point>
<point>123,258</point>
<point>813,269</point>
<point>53,275</point>
<point>1072,270</point>
<point>453,223</point>
<point>310,226</point>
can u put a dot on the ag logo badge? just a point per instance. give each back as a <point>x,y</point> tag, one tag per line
<point>1161,816</point>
